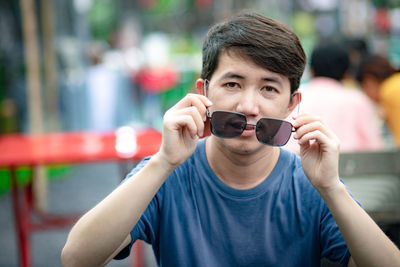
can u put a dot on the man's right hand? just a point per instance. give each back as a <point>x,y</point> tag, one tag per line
<point>183,125</point>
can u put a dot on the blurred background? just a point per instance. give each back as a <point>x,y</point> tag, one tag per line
<point>101,64</point>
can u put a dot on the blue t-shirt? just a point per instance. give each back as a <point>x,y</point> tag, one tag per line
<point>197,220</point>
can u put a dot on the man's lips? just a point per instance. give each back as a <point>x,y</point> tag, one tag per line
<point>249,130</point>
<point>250,127</point>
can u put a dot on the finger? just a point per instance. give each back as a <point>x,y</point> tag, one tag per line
<point>199,101</point>
<point>304,145</point>
<point>197,118</point>
<point>186,123</point>
<point>319,137</point>
<point>193,113</point>
<point>304,118</point>
<point>308,122</point>
<point>313,126</point>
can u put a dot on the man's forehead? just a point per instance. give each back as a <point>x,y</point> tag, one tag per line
<point>229,70</point>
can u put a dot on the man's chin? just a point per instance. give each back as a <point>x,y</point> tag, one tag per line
<point>243,146</point>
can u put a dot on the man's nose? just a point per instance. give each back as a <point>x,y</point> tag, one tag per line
<point>248,102</point>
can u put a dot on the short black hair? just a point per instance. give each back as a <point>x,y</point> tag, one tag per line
<point>330,60</point>
<point>268,43</point>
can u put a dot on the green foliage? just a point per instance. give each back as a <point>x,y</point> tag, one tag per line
<point>24,175</point>
<point>103,19</point>
<point>170,97</point>
<point>386,3</point>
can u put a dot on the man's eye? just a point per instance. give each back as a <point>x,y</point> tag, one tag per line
<point>231,85</point>
<point>269,89</point>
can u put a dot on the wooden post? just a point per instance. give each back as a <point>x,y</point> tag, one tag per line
<point>31,48</point>
<point>33,85</point>
<point>50,66</point>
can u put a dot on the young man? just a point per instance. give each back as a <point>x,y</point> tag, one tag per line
<point>236,201</point>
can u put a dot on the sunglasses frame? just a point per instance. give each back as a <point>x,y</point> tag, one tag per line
<point>254,126</point>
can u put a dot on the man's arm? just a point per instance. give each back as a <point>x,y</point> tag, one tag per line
<point>319,151</point>
<point>103,231</point>
<point>368,245</point>
<point>104,228</point>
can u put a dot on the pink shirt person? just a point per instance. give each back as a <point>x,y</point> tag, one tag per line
<point>349,113</point>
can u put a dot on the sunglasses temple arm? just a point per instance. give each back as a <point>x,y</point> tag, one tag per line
<point>205,87</point>
<point>298,102</point>
<point>208,114</point>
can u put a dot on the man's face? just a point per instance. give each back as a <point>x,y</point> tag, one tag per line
<point>240,85</point>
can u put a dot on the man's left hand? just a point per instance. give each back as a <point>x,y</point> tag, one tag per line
<point>319,151</point>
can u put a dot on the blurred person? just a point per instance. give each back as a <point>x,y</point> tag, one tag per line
<point>236,198</point>
<point>349,113</point>
<point>101,88</point>
<point>380,80</point>
<point>108,89</point>
<point>356,48</point>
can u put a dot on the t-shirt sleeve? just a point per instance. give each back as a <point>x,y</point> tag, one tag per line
<point>146,227</point>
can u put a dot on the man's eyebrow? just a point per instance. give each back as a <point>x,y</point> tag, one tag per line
<point>230,75</point>
<point>233,75</point>
<point>272,79</point>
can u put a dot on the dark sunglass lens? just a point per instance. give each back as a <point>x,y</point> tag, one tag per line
<point>273,131</point>
<point>227,124</point>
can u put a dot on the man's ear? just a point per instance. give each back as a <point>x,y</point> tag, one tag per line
<point>200,86</point>
<point>295,100</point>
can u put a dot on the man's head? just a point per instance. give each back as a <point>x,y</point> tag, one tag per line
<point>266,42</point>
<point>373,70</point>
<point>329,60</point>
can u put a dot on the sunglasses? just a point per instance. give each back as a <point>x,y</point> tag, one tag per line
<point>229,124</point>
<point>269,131</point>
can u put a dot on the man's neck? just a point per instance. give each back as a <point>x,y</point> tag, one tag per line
<point>241,171</point>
